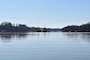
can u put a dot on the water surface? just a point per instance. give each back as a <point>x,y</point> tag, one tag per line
<point>45,46</point>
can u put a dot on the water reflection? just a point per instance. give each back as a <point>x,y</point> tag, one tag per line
<point>8,36</point>
<point>78,35</point>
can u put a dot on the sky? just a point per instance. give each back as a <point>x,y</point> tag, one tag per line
<point>45,13</point>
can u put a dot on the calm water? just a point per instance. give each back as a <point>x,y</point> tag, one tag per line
<point>45,46</point>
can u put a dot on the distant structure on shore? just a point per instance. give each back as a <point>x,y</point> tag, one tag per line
<point>9,27</point>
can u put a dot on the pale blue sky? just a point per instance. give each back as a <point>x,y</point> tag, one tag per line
<point>48,13</point>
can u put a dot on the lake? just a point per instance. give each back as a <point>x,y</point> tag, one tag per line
<point>45,46</point>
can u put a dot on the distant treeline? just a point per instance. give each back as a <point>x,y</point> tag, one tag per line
<point>9,27</point>
<point>76,28</point>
